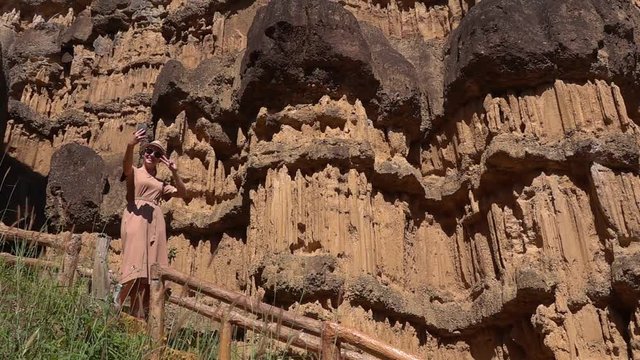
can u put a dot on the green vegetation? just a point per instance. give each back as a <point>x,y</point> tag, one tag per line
<point>40,320</point>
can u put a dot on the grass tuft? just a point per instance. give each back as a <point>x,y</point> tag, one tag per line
<point>40,320</point>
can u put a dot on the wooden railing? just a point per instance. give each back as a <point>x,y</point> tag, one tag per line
<point>68,267</point>
<point>68,242</point>
<point>329,339</point>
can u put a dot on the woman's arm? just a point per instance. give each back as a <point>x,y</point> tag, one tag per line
<point>127,161</point>
<point>181,189</point>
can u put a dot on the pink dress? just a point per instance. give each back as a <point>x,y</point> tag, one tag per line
<point>143,230</point>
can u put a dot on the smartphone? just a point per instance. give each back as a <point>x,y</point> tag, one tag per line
<point>141,126</point>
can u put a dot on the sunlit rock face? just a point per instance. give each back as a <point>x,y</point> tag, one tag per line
<point>457,178</point>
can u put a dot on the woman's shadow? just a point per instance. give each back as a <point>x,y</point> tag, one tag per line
<point>145,211</point>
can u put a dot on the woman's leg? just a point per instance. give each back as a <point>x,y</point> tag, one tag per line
<point>137,299</point>
<point>138,290</point>
<point>125,291</point>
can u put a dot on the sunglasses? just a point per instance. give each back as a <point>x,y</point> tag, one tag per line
<point>150,151</point>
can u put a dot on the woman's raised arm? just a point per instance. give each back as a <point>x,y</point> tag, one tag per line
<point>127,161</point>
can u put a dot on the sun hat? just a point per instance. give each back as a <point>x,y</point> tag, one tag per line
<point>157,144</point>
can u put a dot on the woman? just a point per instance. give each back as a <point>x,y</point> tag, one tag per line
<point>143,230</point>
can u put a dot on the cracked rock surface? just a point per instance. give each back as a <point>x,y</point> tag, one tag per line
<point>457,178</point>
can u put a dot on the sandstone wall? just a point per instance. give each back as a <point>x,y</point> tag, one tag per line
<point>457,178</point>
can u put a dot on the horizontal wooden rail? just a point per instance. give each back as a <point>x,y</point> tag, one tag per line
<point>33,262</point>
<point>287,318</point>
<point>51,240</point>
<point>84,272</point>
<point>368,343</point>
<point>241,301</point>
<point>284,334</point>
<point>88,273</point>
<point>12,260</point>
<point>68,242</point>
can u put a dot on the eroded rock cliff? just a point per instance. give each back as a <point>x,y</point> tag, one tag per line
<point>458,178</point>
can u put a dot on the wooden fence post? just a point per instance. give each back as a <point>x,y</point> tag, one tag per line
<point>100,275</point>
<point>156,312</point>
<point>330,342</point>
<point>224,350</point>
<point>72,247</point>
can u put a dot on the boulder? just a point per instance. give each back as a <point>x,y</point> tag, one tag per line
<point>293,278</point>
<point>397,175</point>
<point>41,41</point>
<point>188,15</point>
<point>205,91</point>
<point>111,16</point>
<point>398,100</point>
<point>513,44</point>
<point>625,277</point>
<point>75,188</point>
<point>114,199</point>
<point>427,57</point>
<point>517,153</point>
<point>80,31</point>
<point>44,8</point>
<point>169,86</point>
<point>198,219</point>
<point>35,55</point>
<point>42,125</point>
<point>298,51</point>
<point>367,291</point>
<point>217,136</point>
<point>310,154</point>
<point>33,121</point>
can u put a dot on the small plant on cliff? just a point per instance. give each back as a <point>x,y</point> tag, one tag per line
<point>173,252</point>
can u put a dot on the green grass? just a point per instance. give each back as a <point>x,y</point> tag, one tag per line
<point>40,320</point>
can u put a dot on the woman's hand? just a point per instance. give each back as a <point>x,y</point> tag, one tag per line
<point>170,163</point>
<point>127,161</point>
<point>181,189</point>
<point>138,136</point>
